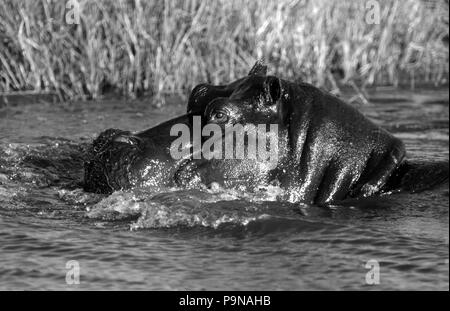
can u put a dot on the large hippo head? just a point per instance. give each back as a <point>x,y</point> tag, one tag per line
<point>326,149</point>
<point>121,159</point>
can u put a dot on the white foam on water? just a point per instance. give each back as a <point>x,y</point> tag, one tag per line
<point>175,207</point>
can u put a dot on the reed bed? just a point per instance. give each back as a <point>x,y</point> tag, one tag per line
<point>164,47</point>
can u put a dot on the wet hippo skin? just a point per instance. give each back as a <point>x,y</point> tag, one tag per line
<point>327,150</point>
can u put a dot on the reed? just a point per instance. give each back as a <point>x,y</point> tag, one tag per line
<point>164,47</point>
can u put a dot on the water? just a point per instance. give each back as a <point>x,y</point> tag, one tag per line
<point>217,239</point>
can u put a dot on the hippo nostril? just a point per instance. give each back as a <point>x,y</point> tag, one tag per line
<point>123,139</point>
<point>127,139</point>
<point>105,138</point>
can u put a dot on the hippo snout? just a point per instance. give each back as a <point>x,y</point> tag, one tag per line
<point>109,162</point>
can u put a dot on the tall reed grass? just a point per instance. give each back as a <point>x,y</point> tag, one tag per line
<point>168,46</point>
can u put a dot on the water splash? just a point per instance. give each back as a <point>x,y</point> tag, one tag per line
<point>175,207</point>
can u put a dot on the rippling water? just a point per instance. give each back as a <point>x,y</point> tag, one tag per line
<point>178,239</point>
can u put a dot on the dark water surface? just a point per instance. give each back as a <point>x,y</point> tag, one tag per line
<point>175,239</point>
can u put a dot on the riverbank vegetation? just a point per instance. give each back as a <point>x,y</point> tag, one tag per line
<point>164,47</point>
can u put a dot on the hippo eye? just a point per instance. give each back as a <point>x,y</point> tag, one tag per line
<point>219,116</point>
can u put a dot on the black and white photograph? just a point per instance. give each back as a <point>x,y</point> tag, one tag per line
<point>196,146</point>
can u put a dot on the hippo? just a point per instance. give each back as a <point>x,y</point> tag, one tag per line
<point>327,151</point>
<point>120,159</point>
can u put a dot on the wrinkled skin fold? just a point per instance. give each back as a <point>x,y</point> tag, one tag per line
<point>327,150</point>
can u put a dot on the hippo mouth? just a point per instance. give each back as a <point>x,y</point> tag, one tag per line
<point>186,174</point>
<point>121,160</point>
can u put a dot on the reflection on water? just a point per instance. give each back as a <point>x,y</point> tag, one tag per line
<point>221,239</point>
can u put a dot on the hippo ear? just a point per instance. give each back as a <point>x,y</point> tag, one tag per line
<point>272,87</point>
<point>258,69</point>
